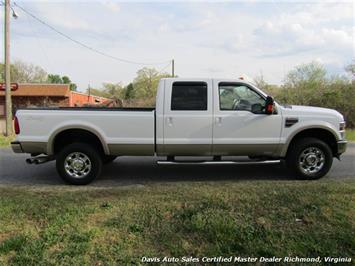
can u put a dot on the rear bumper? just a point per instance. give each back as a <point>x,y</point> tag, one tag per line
<point>16,147</point>
<point>342,146</point>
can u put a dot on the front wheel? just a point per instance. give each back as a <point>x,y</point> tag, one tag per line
<point>79,164</point>
<point>309,158</point>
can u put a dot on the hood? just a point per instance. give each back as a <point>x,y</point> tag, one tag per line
<point>312,111</point>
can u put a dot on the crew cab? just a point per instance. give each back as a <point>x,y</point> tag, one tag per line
<point>193,117</point>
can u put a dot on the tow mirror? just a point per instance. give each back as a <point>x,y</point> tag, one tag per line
<point>269,105</point>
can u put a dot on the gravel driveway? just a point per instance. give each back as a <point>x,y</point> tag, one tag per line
<point>140,170</point>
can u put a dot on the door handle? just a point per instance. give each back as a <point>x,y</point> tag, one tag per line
<point>219,120</point>
<point>169,121</point>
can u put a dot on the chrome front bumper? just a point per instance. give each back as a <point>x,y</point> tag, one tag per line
<point>16,147</point>
<point>342,146</point>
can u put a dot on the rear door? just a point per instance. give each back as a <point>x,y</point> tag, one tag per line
<point>188,117</point>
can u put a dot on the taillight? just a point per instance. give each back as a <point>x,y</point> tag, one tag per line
<point>17,126</point>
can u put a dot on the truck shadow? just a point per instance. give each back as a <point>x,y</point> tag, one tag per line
<point>135,170</point>
<point>127,170</point>
<point>140,170</point>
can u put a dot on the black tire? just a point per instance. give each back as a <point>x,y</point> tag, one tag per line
<point>83,154</point>
<point>106,159</point>
<point>299,151</point>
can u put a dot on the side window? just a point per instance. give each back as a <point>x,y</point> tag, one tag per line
<point>239,97</point>
<point>190,96</point>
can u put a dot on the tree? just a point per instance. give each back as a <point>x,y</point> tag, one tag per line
<point>305,83</point>
<point>22,72</point>
<point>54,78</point>
<point>108,90</point>
<point>114,90</point>
<point>311,74</point>
<point>57,79</point>
<point>146,83</point>
<point>66,80</point>
<point>309,84</point>
<point>260,81</point>
<point>129,92</point>
<point>97,92</point>
<point>351,70</point>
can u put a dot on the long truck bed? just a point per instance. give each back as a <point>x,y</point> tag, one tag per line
<point>129,131</point>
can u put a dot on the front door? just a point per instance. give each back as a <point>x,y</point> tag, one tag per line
<point>188,117</point>
<point>240,125</point>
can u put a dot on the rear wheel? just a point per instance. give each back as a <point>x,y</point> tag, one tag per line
<point>309,158</point>
<point>79,164</point>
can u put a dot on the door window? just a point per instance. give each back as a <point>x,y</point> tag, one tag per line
<point>239,97</point>
<point>189,96</point>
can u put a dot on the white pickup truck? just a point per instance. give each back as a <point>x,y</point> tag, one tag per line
<point>193,117</point>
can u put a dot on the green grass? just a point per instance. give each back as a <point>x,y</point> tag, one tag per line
<point>5,141</point>
<point>350,134</point>
<point>71,226</point>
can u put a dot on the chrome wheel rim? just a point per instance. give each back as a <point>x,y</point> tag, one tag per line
<point>77,165</point>
<point>311,160</point>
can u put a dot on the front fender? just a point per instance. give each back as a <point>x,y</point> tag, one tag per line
<point>305,126</point>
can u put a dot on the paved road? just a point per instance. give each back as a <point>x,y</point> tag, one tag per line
<point>140,170</point>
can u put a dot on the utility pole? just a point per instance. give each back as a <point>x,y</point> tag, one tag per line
<point>7,70</point>
<point>173,68</point>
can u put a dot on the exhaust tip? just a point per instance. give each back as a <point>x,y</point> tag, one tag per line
<point>39,159</point>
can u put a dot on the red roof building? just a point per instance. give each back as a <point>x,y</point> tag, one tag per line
<point>46,95</point>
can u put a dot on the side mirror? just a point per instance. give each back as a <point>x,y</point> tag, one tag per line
<point>257,108</point>
<point>269,105</point>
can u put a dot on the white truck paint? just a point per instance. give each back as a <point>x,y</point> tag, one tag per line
<point>193,117</point>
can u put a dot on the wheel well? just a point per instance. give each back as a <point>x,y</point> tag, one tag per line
<point>70,136</point>
<point>318,133</point>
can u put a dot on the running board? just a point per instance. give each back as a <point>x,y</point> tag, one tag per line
<point>219,162</point>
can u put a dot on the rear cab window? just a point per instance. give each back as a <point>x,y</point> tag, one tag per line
<point>189,96</point>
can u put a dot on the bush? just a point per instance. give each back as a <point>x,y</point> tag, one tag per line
<point>309,85</point>
<point>340,97</point>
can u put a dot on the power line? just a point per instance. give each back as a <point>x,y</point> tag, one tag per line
<point>164,68</point>
<point>43,50</point>
<point>85,45</point>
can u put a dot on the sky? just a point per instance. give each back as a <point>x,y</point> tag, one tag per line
<point>206,39</point>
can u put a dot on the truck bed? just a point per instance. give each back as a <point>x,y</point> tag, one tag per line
<point>123,131</point>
